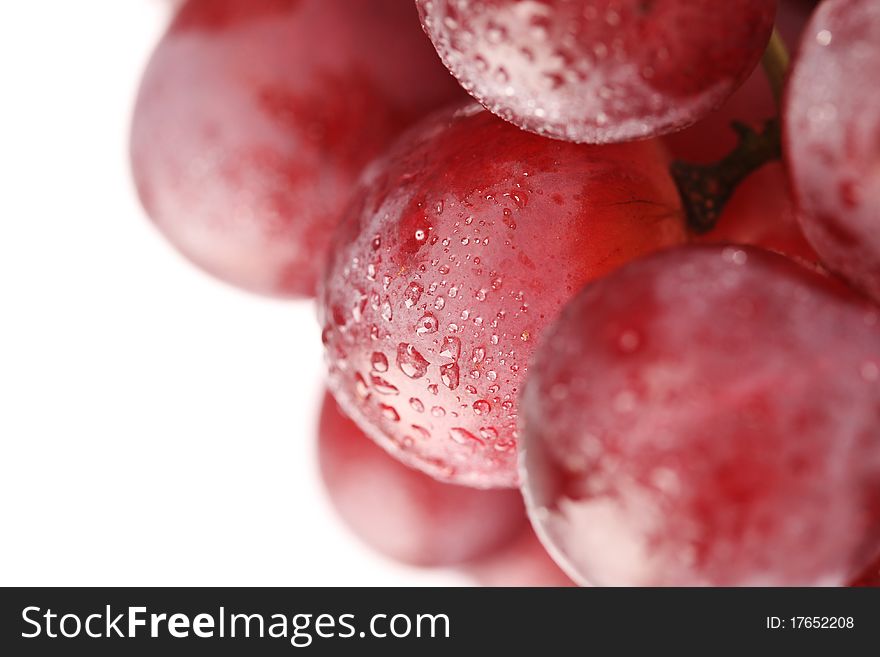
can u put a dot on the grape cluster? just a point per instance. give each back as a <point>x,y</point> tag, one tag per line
<point>634,280</point>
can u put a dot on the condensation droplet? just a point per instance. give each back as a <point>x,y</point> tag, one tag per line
<point>438,411</point>
<point>382,386</point>
<point>449,376</point>
<point>482,407</point>
<point>358,307</point>
<point>412,294</point>
<point>504,445</point>
<point>389,412</point>
<point>410,361</point>
<point>416,404</point>
<point>451,348</point>
<point>463,436</point>
<point>386,311</point>
<point>379,362</point>
<point>427,324</point>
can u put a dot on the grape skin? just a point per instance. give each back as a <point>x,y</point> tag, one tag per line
<point>524,562</point>
<point>254,121</point>
<point>761,213</point>
<point>832,138</point>
<point>712,137</point>
<point>871,577</point>
<point>600,71</point>
<point>403,513</point>
<point>462,244</point>
<point>707,416</point>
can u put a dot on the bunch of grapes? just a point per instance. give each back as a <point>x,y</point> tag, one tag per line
<point>632,278</point>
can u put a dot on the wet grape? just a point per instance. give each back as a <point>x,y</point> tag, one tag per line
<point>832,138</point>
<point>708,416</point>
<point>255,118</point>
<point>461,246</point>
<point>403,513</point>
<point>600,71</point>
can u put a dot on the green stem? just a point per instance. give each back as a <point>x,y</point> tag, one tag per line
<point>775,62</point>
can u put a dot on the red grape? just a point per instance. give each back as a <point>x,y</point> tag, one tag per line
<point>708,416</point>
<point>524,562</point>
<point>711,138</point>
<point>255,118</point>
<point>463,244</point>
<point>832,138</point>
<point>403,513</point>
<point>600,71</point>
<point>761,213</point>
<point>871,576</point>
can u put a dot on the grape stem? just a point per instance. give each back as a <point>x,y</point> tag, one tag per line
<point>776,61</point>
<point>706,188</point>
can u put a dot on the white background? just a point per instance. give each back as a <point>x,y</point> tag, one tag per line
<point>156,427</point>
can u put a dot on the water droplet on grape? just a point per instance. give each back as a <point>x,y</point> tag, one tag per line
<point>386,311</point>
<point>427,324</point>
<point>379,361</point>
<point>482,407</point>
<point>412,294</point>
<point>410,361</point>
<point>382,386</point>
<point>389,412</point>
<point>464,437</point>
<point>449,376</point>
<point>451,348</point>
<point>424,434</point>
